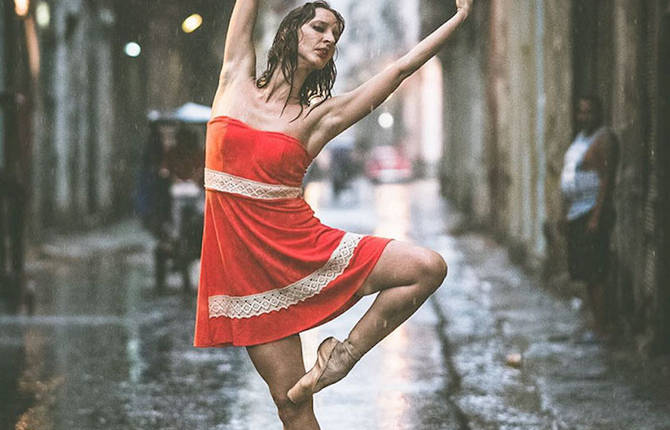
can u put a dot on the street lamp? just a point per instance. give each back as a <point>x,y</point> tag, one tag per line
<point>191,23</point>
<point>42,14</point>
<point>385,120</point>
<point>21,7</point>
<point>132,49</point>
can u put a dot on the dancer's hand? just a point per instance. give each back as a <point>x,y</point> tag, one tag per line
<point>464,6</point>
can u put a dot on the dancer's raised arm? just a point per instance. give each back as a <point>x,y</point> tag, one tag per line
<point>239,57</point>
<point>339,113</point>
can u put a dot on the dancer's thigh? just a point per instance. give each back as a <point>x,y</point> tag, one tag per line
<point>400,264</point>
<point>279,363</point>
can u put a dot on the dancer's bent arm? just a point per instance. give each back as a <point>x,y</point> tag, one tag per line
<point>339,113</point>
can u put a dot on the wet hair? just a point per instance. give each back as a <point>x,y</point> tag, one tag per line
<point>596,107</point>
<point>284,54</point>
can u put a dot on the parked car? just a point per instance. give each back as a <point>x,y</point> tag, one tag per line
<point>170,196</point>
<point>386,164</point>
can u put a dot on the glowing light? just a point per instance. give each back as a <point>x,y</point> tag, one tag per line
<point>393,211</point>
<point>395,370</point>
<point>107,17</point>
<point>132,49</point>
<point>385,120</point>
<point>314,192</point>
<point>21,7</point>
<point>43,14</point>
<point>192,23</point>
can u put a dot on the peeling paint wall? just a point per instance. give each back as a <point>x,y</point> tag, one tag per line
<point>465,118</point>
<point>90,122</point>
<point>74,130</point>
<point>558,84</point>
<point>640,233</point>
<point>509,103</point>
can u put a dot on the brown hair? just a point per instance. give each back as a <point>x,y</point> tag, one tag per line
<point>284,52</point>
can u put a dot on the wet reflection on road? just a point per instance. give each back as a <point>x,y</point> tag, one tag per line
<point>400,383</point>
<point>105,351</point>
<point>392,203</point>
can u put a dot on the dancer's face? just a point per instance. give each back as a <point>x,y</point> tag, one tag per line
<point>317,39</point>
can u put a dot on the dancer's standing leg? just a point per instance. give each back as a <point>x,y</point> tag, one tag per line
<point>281,364</point>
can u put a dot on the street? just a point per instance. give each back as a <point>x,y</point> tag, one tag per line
<point>491,349</point>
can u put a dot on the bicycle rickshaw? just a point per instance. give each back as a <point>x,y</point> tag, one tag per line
<point>170,193</point>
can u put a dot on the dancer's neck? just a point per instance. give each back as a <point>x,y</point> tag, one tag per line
<point>279,89</point>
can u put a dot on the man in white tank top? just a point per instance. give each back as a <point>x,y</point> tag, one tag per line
<point>587,185</point>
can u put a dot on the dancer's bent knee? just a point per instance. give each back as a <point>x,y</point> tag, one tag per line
<point>432,269</point>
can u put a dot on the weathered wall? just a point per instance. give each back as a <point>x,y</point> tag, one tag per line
<point>90,118</point>
<point>557,122</point>
<point>514,123</point>
<point>509,122</point>
<point>519,136</point>
<point>663,154</point>
<point>639,235</point>
<point>73,124</point>
<point>529,97</point>
<point>464,112</point>
<point>5,35</point>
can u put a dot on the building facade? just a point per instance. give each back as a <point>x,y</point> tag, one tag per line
<point>520,66</point>
<point>87,98</point>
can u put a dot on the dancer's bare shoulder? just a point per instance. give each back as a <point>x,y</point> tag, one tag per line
<point>234,97</point>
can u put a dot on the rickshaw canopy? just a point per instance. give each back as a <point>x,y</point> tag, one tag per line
<point>188,113</point>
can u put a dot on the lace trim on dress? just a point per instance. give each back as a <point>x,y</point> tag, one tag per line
<point>221,181</point>
<point>282,298</point>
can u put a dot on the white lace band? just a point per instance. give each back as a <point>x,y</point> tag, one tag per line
<point>221,181</point>
<point>282,298</point>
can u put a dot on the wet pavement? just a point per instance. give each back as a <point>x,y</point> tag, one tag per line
<point>491,350</point>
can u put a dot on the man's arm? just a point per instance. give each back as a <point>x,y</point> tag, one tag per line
<point>602,158</point>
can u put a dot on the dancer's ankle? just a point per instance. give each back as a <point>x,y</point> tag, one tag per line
<point>352,350</point>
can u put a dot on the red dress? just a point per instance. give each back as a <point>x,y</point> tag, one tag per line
<point>269,268</point>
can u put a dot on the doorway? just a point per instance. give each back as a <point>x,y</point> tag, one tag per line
<point>663,152</point>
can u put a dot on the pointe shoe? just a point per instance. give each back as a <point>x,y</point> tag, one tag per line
<point>334,360</point>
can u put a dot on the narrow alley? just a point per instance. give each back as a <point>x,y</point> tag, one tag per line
<point>490,350</point>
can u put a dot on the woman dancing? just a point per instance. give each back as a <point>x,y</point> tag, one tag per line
<point>269,268</point>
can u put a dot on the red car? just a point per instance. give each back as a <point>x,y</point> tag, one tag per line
<point>387,164</point>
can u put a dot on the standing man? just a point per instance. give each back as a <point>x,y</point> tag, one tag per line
<point>587,184</point>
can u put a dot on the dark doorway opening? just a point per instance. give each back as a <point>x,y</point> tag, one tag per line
<point>593,50</point>
<point>663,152</point>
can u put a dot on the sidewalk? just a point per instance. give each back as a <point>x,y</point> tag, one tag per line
<point>517,352</point>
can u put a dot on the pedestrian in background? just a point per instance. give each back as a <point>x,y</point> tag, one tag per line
<point>587,185</point>
<point>269,268</point>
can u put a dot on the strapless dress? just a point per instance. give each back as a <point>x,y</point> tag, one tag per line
<point>269,268</point>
